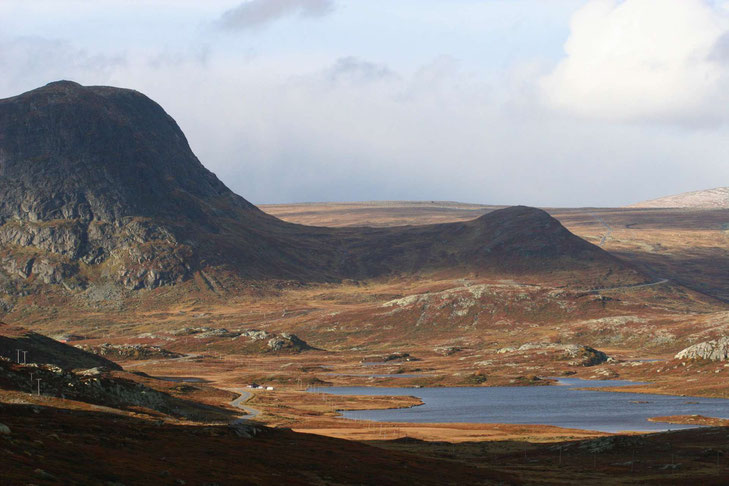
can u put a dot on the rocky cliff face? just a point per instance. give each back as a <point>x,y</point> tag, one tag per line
<point>100,184</point>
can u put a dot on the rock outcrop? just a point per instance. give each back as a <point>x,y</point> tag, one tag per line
<point>276,342</point>
<point>249,340</point>
<point>716,350</point>
<point>129,351</point>
<point>577,354</point>
<point>289,342</point>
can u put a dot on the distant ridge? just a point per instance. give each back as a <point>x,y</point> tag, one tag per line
<point>717,198</point>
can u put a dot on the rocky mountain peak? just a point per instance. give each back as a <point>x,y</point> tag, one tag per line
<point>97,154</point>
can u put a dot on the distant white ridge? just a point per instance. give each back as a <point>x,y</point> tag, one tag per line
<point>708,199</point>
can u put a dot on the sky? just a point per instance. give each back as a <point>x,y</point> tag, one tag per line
<point>537,102</point>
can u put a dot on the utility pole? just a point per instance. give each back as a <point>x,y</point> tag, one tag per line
<point>39,380</point>
<point>25,353</point>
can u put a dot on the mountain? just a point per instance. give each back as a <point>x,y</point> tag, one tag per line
<point>717,198</point>
<point>92,175</point>
<point>98,184</point>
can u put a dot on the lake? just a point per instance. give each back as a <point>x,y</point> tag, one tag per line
<point>564,405</point>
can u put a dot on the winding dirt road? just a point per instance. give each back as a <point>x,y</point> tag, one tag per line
<point>245,395</point>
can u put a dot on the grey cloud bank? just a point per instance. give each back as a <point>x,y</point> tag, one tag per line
<point>257,13</point>
<point>351,68</point>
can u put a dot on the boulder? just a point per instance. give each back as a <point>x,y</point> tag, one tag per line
<point>91,372</point>
<point>255,334</point>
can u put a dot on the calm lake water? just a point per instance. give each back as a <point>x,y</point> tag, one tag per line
<point>563,406</point>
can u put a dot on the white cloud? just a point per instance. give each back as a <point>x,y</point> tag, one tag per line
<point>257,13</point>
<point>658,60</point>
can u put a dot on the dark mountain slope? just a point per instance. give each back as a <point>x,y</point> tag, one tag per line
<point>42,349</point>
<point>100,184</point>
